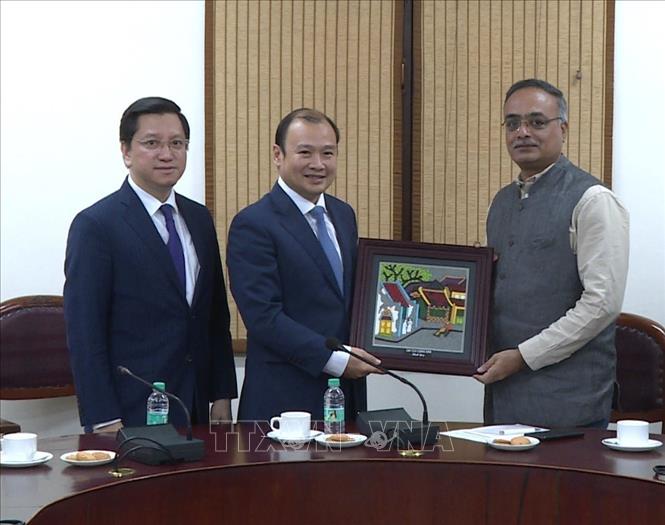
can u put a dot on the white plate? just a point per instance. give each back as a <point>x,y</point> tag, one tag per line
<point>93,463</point>
<point>291,440</point>
<point>642,447</point>
<point>514,448</point>
<point>40,457</point>
<point>358,439</point>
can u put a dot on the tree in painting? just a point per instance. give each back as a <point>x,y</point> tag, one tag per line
<point>404,273</point>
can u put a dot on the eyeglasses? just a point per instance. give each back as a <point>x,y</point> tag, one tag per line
<point>156,145</point>
<point>536,121</point>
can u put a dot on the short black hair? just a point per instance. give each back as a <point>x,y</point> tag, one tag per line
<point>310,115</point>
<point>545,86</point>
<point>146,106</point>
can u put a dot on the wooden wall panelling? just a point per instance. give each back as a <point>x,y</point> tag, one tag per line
<point>572,146</point>
<point>486,116</point>
<point>265,58</point>
<point>598,81</point>
<point>469,227</point>
<point>413,171</point>
<point>491,176</point>
<point>608,95</point>
<point>471,52</point>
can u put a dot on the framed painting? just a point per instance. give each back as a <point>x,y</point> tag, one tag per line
<point>422,307</point>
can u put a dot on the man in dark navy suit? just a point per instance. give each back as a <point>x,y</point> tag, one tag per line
<point>144,285</point>
<point>291,259</point>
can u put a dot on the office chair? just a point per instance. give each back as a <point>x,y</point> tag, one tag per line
<point>640,344</point>
<point>33,349</point>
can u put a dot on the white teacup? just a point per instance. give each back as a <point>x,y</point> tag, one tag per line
<point>292,425</point>
<point>632,432</point>
<point>19,446</point>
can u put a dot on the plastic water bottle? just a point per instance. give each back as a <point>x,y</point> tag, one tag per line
<point>333,408</point>
<point>158,405</point>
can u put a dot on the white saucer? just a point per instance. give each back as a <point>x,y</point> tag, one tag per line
<point>515,448</point>
<point>356,440</point>
<point>273,434</point>
<point>40,457</point>
<point>79,463</point>
<point>641,447</point>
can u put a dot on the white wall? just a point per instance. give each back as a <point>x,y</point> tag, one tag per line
<point>639,140</point>
<point>69,69</point>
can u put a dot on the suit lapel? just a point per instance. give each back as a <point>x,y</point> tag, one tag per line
<point>138,220</point>
<point>294,223</point>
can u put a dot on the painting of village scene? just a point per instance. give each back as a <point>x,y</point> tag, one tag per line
<point>420,306</point>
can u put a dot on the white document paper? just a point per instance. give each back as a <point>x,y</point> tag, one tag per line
<point>489,433</point>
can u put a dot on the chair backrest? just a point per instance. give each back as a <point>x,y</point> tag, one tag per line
<point>33,349</point>
<point>640,344</point>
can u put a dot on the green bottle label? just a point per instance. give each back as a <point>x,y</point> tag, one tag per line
<point>332,415</point>
<point>155,418</point>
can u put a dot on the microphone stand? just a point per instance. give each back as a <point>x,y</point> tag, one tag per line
<point>158,444</point>
<point>126,371</point>
<point>408,431</point>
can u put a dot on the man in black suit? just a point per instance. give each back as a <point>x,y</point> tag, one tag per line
<point>144,285</point>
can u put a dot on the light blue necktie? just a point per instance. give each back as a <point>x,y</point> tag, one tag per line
<point>327,244</point>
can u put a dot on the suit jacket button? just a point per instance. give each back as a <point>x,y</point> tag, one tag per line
<point>188,358</point>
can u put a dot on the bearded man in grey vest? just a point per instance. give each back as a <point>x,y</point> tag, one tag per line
<point>561,241</point>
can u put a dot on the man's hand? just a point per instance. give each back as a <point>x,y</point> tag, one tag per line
<point>355,368</point>
<point>499,366</point>
<point>220,412</point>
<point>109,428</point>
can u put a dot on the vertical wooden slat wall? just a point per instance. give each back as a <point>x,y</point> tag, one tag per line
<point>266,58</point>
<point>472,51</point>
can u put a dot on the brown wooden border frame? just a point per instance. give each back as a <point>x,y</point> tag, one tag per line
<point>209,104</point>
<point>372,251</point>
<point>608,130</point>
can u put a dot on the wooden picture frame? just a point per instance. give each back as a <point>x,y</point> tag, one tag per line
<point>422,307</point>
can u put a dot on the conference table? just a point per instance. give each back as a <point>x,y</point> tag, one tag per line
<point>245,477</point>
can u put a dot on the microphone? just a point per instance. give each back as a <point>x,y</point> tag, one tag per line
<point>160,443</point>
<point>334,344</point>
<point>127,372</point>
<point>397,420</point>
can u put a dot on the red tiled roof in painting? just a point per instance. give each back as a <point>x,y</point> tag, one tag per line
<point>397,293</point>
<point>434,298</point>
<point>455,284</point>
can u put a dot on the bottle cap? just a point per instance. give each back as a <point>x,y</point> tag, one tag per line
<point>333,382</point>
<point>159,385</point>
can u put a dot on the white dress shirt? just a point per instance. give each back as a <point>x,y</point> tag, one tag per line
<point>338,360</point>
<point>152,206</point>
<point>599,238</point>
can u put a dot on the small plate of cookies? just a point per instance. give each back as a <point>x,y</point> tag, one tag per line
<point>341,440</point>
<point>514,444</point>
<point>88,458</point>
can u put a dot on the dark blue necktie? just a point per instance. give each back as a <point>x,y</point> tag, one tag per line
<point>327,244</point>
<point>174,245</point>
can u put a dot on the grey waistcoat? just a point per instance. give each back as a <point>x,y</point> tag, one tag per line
<point>536,282</point>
